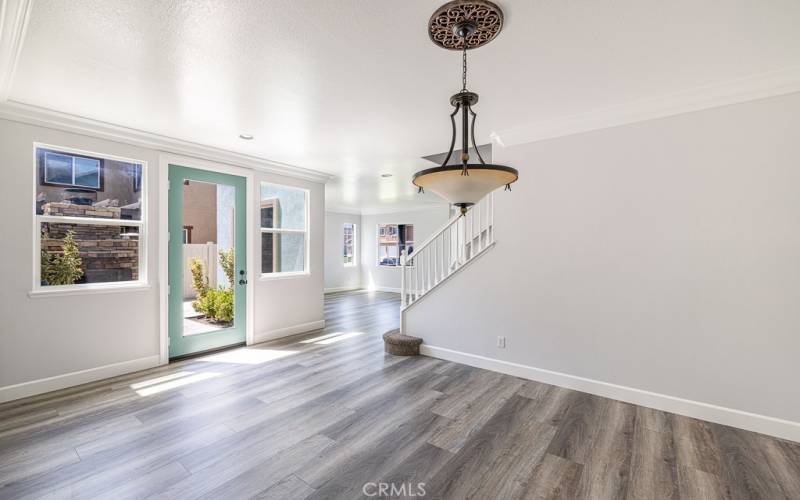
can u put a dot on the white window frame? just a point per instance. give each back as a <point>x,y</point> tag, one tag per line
<point>355,244</point>
<point>100,167</point>
<point>387,233</point>
<point>305,231</point>
<point>82,288</point>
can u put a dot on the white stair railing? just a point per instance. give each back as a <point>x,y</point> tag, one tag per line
<point>442,254</point>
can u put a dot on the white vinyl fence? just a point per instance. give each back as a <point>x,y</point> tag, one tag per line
<point>208,254</point>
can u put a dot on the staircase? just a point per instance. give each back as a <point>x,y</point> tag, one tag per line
<point>460,241</point>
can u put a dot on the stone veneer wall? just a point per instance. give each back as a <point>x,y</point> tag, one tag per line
<point>106,255</point>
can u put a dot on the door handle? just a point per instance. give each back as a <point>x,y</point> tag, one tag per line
<point>243,280</point>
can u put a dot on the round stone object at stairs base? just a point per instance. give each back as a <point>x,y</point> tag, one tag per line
<point>398,344</point>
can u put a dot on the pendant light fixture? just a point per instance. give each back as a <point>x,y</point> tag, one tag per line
<point>464,25</point>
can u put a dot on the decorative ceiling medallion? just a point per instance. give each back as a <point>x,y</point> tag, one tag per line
<point>484,16</point>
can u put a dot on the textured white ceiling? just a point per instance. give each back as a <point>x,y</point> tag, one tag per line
<point>355,88</point>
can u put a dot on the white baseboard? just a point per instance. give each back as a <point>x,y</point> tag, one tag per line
<point>772,426</point>
<point>289,330</point>
<point>341,289</point>
<point>41,386</point>
<point>384,289</point>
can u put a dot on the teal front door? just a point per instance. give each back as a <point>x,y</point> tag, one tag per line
<point>207,260</point>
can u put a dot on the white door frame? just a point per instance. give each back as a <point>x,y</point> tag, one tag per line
<point>164,161</point>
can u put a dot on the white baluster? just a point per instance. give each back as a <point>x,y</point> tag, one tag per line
<point>472,233</point>
<point>416,277</point>
<point>425,271</point>
<point>491,218</point>
<point>403,278</point>
<point>436,260</point>
<point>458,241</point>
<point>426,276</point>
<point>443,250</point>
<point>480,225</point>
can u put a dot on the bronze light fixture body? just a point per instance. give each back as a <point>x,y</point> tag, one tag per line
<point>464,25</point>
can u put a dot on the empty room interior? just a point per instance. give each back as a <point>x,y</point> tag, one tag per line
<point>307,249</point>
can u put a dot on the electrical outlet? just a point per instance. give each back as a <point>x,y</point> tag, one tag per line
<point>501,342</point>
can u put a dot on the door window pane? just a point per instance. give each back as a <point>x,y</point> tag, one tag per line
<point>209,266</point>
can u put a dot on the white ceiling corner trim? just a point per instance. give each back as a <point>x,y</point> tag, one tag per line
<point>395,210</point>
<point>741,90</point>
<point>34,115</point>
<point>14,15</point>
<point>341,209</point>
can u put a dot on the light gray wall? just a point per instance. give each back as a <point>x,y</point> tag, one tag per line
<point>388,278</point>
<point>53,336</point>
<point>337,275</point>
<point>663,255</point>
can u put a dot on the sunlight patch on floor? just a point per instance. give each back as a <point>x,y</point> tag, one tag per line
<point>188,378</point>
<point>159,380</point>
<point>331,338</point>
<point>248,356</point>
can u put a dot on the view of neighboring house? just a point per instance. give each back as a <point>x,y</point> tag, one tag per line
<point>393,239</point>
<point>283,235</point>
<point>97,195</point>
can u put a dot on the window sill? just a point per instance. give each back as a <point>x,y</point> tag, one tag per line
<point>89,290</point>
<point>283,276</point>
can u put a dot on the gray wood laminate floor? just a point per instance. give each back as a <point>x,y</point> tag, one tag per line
<point>321,415</point>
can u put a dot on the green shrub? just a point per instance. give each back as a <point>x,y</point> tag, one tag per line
<point>216,304</point>
<point>64,268</point>
<point>223,305</point>
<point>226,261</point>
<point>199,278</point>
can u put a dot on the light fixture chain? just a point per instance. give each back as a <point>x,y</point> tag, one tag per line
<point>464,66</point>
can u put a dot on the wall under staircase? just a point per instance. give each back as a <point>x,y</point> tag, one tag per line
<point>446,252</point>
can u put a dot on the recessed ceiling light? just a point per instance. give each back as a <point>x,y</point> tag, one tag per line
<point>386,175</point>
<point>246,137</point>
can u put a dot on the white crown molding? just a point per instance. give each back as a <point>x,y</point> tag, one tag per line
<point>14,15</point>
<point>34,115</point>
<point>341,210</point>
<point>760,86</point>
<point>403,209</point>
<point>373,210</point>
